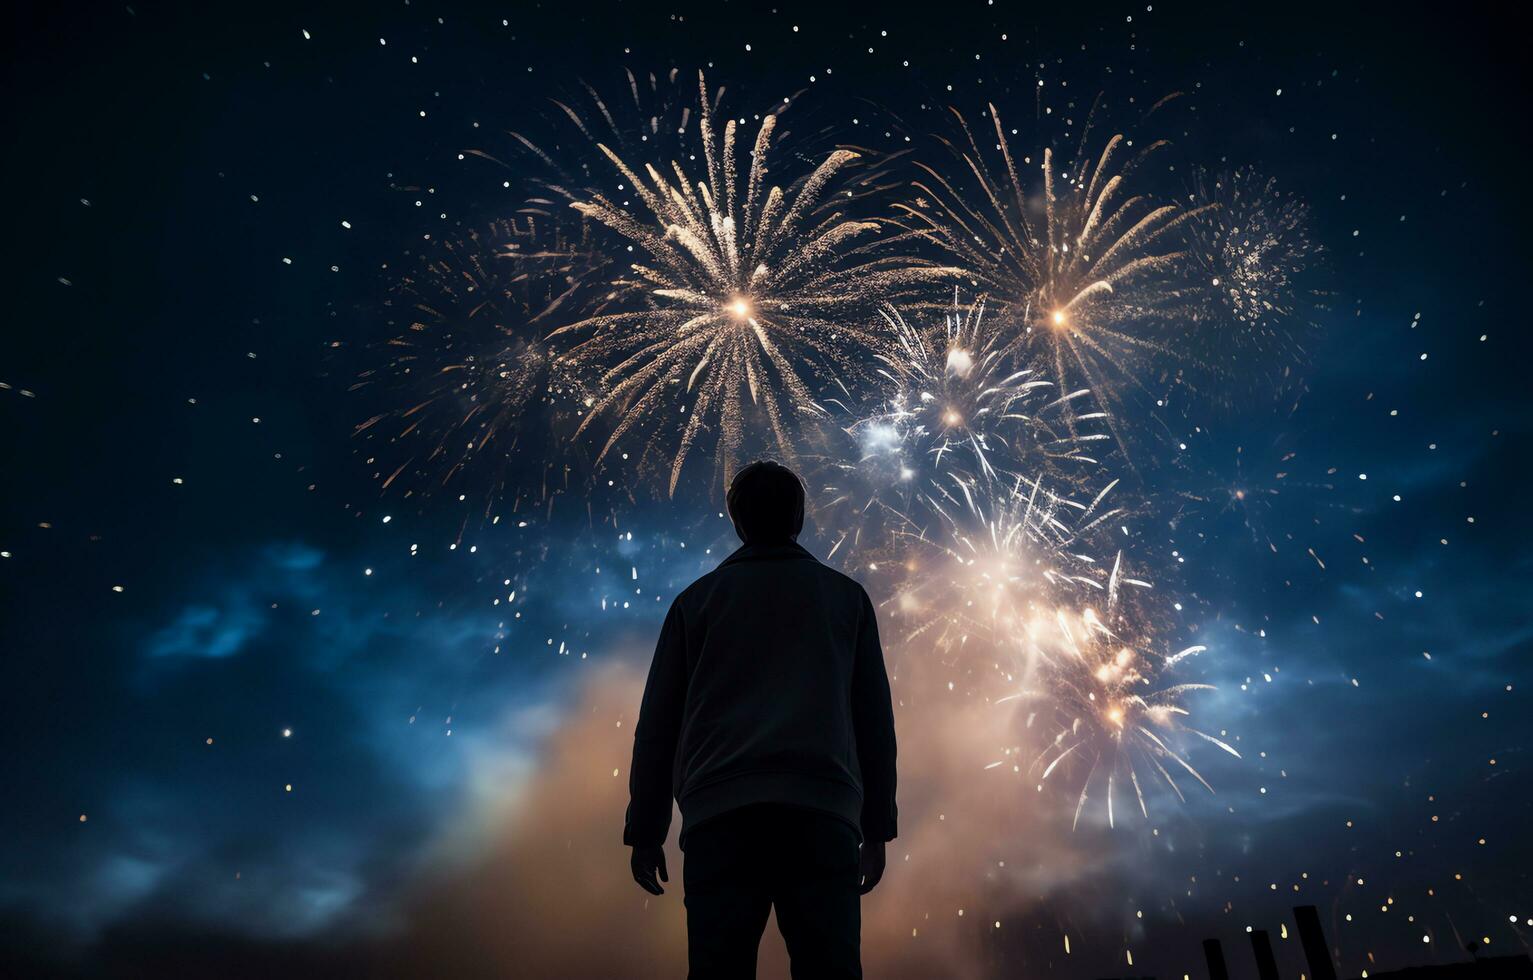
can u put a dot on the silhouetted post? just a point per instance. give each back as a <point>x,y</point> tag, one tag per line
<point>1313,937</point>
<point>1214,953</point>
<point>1266,963</point>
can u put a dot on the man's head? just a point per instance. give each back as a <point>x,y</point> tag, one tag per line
<point>766,502</point>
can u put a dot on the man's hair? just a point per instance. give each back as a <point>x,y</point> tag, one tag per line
<point>766,502</point>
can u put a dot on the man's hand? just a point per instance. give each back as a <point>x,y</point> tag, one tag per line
<point>647,862</point>
<point>870,864</point>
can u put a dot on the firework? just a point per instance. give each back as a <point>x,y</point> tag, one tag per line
<point>957,403</point>
<point>1005,589</point>
<point>748,299</point>
<point>729,311</point>
<point>1089,272</point>
<point>471,378</point>
<point>994,555</point>
<point>1250,251</point>
<point>1113,712</point>
<point>953,404</point>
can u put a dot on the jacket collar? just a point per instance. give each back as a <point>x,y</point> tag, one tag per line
<point>768,552</point>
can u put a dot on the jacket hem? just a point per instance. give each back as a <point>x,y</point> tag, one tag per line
<point>789,788</point>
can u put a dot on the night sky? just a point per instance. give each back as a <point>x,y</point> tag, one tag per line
<point>266,717</point>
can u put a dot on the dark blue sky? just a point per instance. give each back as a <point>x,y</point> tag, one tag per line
<point>177,425</point>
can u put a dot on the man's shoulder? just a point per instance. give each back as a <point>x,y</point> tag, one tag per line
<point>834,582</point>
<point>844,580</point>
<point>699,586</point>
<point>809,569</point>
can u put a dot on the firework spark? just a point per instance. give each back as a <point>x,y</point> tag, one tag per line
<point>471,376</point>
<point>749,299</point>
<point>1089,272</point>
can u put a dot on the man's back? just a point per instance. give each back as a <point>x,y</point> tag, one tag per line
<point>771,641</point>
<point>767,716</point>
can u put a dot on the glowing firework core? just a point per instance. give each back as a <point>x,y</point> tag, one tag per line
<point>739,308</point>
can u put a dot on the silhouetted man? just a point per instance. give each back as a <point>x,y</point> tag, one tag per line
<point>767,716</point>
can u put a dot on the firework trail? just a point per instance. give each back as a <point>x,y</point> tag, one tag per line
<point>747,301</point>
<point>471,378</point>
<point>1090,273</point>
<point>656,116</point>
<point>650,113</point>
<point>1250,252</point>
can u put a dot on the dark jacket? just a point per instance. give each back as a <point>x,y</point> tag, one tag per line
<point>768,686</point>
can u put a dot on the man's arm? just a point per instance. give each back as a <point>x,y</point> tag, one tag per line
<point>873,726</point>
<point>654,738</point>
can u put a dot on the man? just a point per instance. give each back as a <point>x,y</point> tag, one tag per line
<point>767,715</point>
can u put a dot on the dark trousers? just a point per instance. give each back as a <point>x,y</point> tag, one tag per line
<point>741,864</point>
